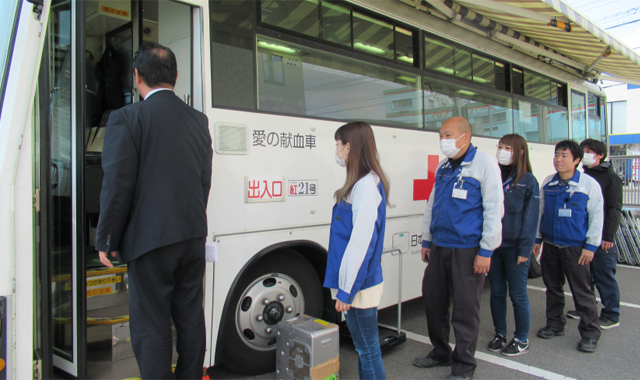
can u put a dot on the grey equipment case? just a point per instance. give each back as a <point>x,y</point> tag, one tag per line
<point>307,348</point>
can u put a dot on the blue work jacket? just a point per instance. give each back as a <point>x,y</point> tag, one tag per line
<point>521,213</point>
<point>370,271</point>
<point>465,207</point>
<point>571,215</point>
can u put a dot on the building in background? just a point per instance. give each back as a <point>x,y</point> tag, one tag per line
<point>623,114</point>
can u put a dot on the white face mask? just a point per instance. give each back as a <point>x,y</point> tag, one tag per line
<point>448,147</point>
<point>504,157</point>
<point>588,159</point>
<point>339,160</point>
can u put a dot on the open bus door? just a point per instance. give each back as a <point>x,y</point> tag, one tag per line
<point>86,73</point>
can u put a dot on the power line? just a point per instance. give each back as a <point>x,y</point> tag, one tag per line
<point>618,15</point>
<point>599,3</point>
<point>623,24</point>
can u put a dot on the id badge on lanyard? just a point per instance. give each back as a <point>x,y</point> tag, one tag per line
<point>565,212</point>
<point>459,192</point>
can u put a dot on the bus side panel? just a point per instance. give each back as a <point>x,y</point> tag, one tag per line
<point>235,251</point>
<point>243,225</point>
<point>243,183</point>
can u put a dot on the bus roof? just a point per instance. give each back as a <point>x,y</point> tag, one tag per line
<point>574,40</point>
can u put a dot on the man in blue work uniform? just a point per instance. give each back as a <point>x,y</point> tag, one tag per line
<point>461,228</point>
<point>571,217</point>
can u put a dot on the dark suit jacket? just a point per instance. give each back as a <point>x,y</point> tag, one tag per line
<point>157,161</point>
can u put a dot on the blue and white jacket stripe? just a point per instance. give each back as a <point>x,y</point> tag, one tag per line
<point>356,240</point>
<point>583,197</point>
<point>466,223</point>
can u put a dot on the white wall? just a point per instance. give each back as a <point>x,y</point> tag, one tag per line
<point>618,93</point>
<point>633,110</point>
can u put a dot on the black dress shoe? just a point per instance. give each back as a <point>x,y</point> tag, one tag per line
<point>427,362</point>
<point>587,345</point>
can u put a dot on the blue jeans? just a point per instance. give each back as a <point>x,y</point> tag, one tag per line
<point>506,273</point>
<point>363,326</point>
<point>603,277</point>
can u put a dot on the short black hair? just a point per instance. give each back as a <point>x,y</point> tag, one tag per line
<point>156,64</point>
<point>574,148</point>
<point>596,146</point>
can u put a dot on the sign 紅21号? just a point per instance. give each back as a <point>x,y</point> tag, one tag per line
<point>302,188</point>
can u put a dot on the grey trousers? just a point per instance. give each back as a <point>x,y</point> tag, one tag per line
<point>449,277</point>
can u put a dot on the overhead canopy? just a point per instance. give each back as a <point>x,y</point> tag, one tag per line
<point>524,25</point>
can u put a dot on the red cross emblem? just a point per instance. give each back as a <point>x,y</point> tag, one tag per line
<point>422,187</point>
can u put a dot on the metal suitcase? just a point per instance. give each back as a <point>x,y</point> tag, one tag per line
<point>307,348</point>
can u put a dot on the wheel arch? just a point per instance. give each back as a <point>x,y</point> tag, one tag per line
<point>311,251</point>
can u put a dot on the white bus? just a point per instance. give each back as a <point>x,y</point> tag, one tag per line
<point>276,79</point>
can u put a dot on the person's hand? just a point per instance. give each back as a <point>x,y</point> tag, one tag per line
<point>522,260</point>
<point>341,306</point>
<point>606,245</point>
<point>426,253</point>
<point>536,249</point>
<point>586,257</point>
<point>481,265</point>
<point>104,260</point>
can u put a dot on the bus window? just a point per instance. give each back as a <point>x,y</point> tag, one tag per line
<point>596,121</point>
<point>540,123</point>
<point>578,125</point>
<point>489,115</point>
<point>8,12</point>
<point>298,80</point>
<point>232,59</point>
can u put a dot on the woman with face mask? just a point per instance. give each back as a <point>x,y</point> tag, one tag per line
<point>354,270</point>
<point>510,262</point>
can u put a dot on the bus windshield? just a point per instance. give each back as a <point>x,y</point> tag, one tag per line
<point>8,11</point>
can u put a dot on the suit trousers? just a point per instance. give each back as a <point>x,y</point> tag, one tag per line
<point>166,284</point>
<point>449,276</point>
<point>556,264</point>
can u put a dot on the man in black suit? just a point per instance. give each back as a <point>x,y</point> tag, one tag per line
<point>157,161</point>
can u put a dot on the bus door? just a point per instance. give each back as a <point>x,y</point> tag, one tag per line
<point>87,74</point>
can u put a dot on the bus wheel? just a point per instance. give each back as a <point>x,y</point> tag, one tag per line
<point>279,287</point>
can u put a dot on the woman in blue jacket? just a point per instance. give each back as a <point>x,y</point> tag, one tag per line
<point>510,262</point>
<point>354,271</point>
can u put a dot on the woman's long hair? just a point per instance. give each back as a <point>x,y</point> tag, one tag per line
<point>520,151</point>
<point>362,158</point>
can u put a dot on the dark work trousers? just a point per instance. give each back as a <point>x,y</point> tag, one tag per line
<point>449,275</point>
<point>556,264</point>
<point>165,284</point>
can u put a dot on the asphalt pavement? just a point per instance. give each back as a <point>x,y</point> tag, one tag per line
<point>617,355</point>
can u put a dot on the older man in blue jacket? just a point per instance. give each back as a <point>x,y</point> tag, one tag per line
<point>461,228</point>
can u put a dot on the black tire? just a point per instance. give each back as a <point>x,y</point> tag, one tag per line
<point>288,268</point>
<point>535,270</point>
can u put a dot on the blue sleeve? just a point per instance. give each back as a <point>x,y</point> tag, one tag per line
<point>531,214</point>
